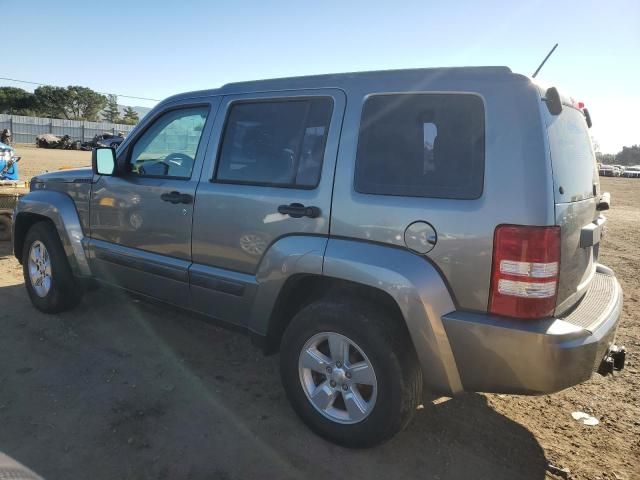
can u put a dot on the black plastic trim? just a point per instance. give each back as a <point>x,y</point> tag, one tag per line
<point>145,265</point>
<point>218,284</point>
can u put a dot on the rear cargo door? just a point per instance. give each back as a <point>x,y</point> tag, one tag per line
<point>576,186</point>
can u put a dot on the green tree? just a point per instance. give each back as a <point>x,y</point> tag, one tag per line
<point>111,112</point>
<point>71,103</point>
<point>16,101</point>
<point>629,156</point>
<point>84,103</point>
<point>606,158</point>
<point>51,101</point>
<point>130,116</point>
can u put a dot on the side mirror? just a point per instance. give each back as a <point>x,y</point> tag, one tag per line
<point>103,160</point>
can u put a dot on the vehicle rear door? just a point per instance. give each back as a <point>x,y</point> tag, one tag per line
<point>272,177</point>
<point>576,187</point>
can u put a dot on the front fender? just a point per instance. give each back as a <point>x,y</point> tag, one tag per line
<point>418,289</point>
<point>60,209</point>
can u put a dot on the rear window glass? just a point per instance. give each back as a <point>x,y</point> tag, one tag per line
<point>574,165</point>
<point>421,145</point>
<point>275,143</point>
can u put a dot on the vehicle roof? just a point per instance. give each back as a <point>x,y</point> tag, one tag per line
<point>411,77</point>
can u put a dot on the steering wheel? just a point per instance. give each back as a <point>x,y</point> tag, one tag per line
<point>173,165</point>
<point>180,162</point>
<point>178,159</point>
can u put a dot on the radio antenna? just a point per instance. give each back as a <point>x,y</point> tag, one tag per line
<point>545,60</point>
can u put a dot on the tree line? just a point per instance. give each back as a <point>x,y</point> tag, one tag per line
<point>69,103</point>
<point>628,156</point>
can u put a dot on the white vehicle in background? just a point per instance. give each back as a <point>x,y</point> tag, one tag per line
<point>632,172</point>
<point>606,170</point>
<point>619,170</point>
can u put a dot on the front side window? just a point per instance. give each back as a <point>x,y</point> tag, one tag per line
<point>168,148</point>
<point>275,143</point>
<point>421,145</point>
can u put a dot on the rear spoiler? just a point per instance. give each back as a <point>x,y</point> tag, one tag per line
<point>555,104</point>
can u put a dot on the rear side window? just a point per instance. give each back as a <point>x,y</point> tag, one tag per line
<point>275,143</point>
<point>421,145</point>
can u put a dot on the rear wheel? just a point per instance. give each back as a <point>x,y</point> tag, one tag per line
<point>50,283</point>
<point>350,372</point>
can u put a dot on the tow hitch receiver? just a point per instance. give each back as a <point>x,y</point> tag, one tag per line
<point>613,360</point>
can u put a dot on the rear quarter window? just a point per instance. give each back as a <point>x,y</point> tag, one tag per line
<point>422,145</point>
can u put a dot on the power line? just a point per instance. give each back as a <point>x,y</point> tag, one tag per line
<point>102,93</point>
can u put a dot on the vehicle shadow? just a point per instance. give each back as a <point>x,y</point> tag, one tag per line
<point>123,388</point>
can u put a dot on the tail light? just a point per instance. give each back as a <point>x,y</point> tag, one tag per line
<point>524,276</point>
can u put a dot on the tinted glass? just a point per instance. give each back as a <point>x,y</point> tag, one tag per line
<point>275,143</point>
<point>574,164</point>
<point>168,148</point>
<point>421,145</point>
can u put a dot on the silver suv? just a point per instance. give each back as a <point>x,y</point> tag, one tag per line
<point>384,231</point>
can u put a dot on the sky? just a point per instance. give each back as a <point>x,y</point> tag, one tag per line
<point>154,49</point>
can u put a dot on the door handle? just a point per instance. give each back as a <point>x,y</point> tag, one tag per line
<point>177,197</point>
<point>298,210</point>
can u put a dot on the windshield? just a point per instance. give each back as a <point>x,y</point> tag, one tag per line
<point>574,164</point>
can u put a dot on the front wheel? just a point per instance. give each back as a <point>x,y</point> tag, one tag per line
<point>50,283</point>
<point>350,372</point>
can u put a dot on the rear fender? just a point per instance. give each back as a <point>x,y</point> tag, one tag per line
<point>418,289</point>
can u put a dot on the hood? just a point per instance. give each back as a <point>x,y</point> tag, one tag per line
<point>65,176</point>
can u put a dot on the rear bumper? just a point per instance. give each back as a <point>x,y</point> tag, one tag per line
<point>502,355</point>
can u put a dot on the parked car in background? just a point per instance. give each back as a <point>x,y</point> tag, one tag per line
<point>108,140</point>
<point>362,225</point>
<point>619,170</point>
<point>65,142</point>
<point>632,172</point>
<point>606,170</point>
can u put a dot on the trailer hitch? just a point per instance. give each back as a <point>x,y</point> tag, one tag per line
<point>613,360</point>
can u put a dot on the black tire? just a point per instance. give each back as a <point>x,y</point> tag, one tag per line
<point>65,291</point>
<point>5,228</point>
<point>387,345</point>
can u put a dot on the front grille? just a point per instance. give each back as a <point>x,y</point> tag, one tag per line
<point>598,300</point>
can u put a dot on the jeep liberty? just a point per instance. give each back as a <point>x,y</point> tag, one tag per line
<point>385,232</point>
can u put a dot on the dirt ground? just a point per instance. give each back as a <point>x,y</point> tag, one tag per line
<point>38,160</point>
<point>124,389</point>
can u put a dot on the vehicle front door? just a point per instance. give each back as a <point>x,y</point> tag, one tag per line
<point>141,218</point>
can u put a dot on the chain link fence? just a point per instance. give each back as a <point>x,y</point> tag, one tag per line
<point>26,129</point>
